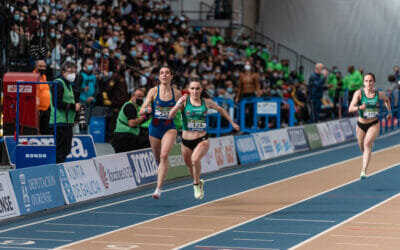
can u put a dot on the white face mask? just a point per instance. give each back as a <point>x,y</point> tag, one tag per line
<point>247,67</point>
<point>71,77</point>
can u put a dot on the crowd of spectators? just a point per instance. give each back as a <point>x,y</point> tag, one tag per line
<point>120,44</point>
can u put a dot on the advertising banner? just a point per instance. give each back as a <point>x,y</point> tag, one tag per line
<point>37,188</point>
<point>313,136</point>
<point>82,146</point>
<point>222,153</point>
<point>298,138</point>
<point>336,131</point>
<point>144,166</point>
<point>114,177</point>
<point>347,129</point>
<point>325,134</point>
<point>246,149</point>
<point>264,145</point>
<point>353,122</point>
<point>80,181</point>
<point>177,166</point>
<point>9,205</point>
<point>281,142</point>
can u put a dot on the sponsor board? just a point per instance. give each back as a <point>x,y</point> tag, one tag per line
<point>37,188</point>
<point>222,153</point>
<point>8,202</point>
<point>336,131</point>
<point>353,122</point>
<point>347,129</point>
<point>298,138</point>
<point>264,145</point>
<point>325,134</point>
<point>80,181</point>
<point>82,146</point>
<point>115,173</point>
<point>177,166</point>
<point>281,142</point>
<point>313,136</point>
<point>246,149</point>
<point>144,166</point>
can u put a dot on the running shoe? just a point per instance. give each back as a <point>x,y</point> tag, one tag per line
<point>157,194</point>
<point>199,190</point>
<point>363,176</point>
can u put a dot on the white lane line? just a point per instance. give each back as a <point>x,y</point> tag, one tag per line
<point>44,239</point>
<point>252,239</point>
<point>207,216</point>
<point>301,220</point>
<point>78,225</point>
<point>132,243</point>
<point>233,248</point>
<point>156,235</point>
<point>280,233</point>
<point>345,221</point>
<point>376,223</point>
<point>179,229</point>
<point>356,244</point>
<point>61,232</point>
<point>123,213</point>
<point>365,236</point>
<point>15,247</point>
<point>282,208</point>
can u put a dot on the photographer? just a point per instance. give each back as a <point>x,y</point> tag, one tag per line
<point>66,107</point>
<point>127,132</point>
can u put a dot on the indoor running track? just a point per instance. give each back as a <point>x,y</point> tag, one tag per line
<point>312,200</point>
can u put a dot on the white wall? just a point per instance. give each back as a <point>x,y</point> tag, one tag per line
<point>364,33</point>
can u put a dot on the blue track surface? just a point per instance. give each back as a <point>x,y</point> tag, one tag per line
<point>87,220</point>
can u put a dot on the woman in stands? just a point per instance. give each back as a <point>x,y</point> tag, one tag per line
<point>366,102</point>
<point>195,142</point>
<point>162,130</point>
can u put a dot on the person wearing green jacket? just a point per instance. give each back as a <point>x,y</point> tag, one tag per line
<point>353,81</point>
<point>127,130</point>
<point>66,110</point>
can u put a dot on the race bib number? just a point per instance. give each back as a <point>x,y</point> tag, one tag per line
<point>370,114</point>
<point>162,113</point>
<point>197,125</point>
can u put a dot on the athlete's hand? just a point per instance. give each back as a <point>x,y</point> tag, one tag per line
<point>235,126</point>
<point>362,106</point>
<point>389,116</point>
<point>183,98</point>
<point>148,110</point>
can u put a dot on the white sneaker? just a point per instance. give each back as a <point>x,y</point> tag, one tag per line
<point>157,194</point>
<point>363,176</point>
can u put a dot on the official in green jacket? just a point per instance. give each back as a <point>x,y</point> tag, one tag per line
<point>66,110</point>
<point>127,130</point>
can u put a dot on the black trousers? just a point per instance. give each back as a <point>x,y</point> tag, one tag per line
<point>64,142</point>
<point>123,142</point>
<point>44,117</point>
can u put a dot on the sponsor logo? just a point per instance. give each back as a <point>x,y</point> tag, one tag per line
<point>219,156</point>
<point>77,150</point>
<point>6,204</point>
<point>25,194</point>
<point>144,166</point>
<point>297,137</point>
<point>229,154</point>
<point>103,176</point>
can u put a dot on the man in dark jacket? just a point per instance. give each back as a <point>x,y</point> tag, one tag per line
<point>316,89</point>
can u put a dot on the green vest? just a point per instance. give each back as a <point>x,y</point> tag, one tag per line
<point>123,124</point>
<point>63,116</point>
<point>194,117</point>
<point>146,123</point>
<point>372,105</point>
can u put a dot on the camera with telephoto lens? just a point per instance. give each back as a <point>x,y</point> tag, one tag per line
<point>82,119</point>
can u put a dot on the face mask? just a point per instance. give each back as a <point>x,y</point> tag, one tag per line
<point>59,6</point>
<point>230,90</point>
<point>115,39</point>
<point>106,54</point>
<point>174,33</point>
<point>98,12</point>
<point>147,74</point>
<point>90,67</point>
<point>58,36</point>
<point>193,64</point>
<point>16,17</point>
<point>236,74</point>
<point>145,57</point>
<point>71,77</point>
<point>21,19</point>
<point>43,18</point>
<point>141,29</point>
<point>146,41</point>
<point>210,92</point>
<point>117,55</point>
<point>52,35</point>
<point>133,53</point>
<point>52,22</point>
<point>40,1</point>
<point>133,43</point>
<point>97,55</point>
<point>206,77</point>
<point>52,5</point>
<point>247,67</point>
<point>93,11</point>
<point>139,102</point>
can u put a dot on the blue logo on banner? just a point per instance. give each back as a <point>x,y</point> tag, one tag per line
<point>246,149</point>
<point>82,146</point>
<point>65,183</point>
<point>37,188</point>
<point>144,166</point>
<point>298,138</point>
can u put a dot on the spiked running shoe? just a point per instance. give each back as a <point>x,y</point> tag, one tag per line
<point>363,176</point>
<point>199,190</point>
<point>157,194</point>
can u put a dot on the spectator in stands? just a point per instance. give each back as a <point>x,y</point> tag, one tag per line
<point>66,108</point>
<point>316,88</point>
<point>353,81</point>
<point>87,87</point>
<point>249,86</point>
<point>44,98</point>
<point>127,130</point>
